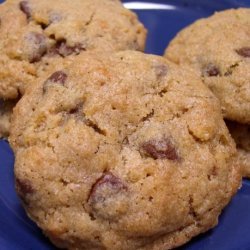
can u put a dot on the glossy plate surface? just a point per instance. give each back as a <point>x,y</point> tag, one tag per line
<point>163,20</point>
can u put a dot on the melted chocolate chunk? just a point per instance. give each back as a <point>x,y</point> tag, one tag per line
<point>25,8</point>
<point>160,149</point>
<point>38,45</point>
<point>61,48</point>
<point>108,198</point>
<point>104,187</point>
<point>211,70</point>
<point>245,51</point>
<point>58,77</point>
<point>24,188</point>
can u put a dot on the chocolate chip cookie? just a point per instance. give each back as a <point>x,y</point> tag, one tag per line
<point>218,48</point>
<point>33,32</point>
<point>241,135</point>
<point>122,151</point>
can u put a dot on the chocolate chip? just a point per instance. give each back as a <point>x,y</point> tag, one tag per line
<point>160,149</point>
<point>58,77</point>
<point>245,51</point>
<point>65,50</point>
<point>25,8</point>
<point>211,70</point>
<point>61,48</point>
<point>38,46</point>
<point>108,198</point>
<point>24,188</point>
<point>160,70</point>
<point>105,187</point>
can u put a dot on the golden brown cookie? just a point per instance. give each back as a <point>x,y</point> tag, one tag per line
<point>122,151</point>
<point>34,32</point>
<point>218,49</point>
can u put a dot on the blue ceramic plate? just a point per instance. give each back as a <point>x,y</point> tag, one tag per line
<point>163,20</point>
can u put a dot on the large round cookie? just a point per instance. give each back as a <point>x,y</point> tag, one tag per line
<point>241,135</point>
<point>122,151</point>
<point>218,48</point>
<point>34,31</point>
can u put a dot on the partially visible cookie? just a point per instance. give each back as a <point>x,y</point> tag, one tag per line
<point>241,135</point>
<point>122,151</point>
<point>35,32</point>
<point>218,49</point>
